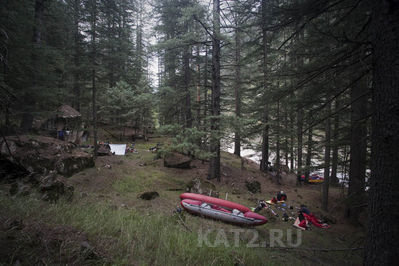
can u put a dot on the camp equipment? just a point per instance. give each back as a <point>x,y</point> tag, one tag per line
<point>220,209</point>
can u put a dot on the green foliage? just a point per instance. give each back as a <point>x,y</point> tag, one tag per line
<point>187,141</point>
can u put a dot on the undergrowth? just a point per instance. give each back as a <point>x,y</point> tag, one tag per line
<point>155,239</point>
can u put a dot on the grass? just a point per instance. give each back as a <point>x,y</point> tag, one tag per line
<point>146,240</point>
<point>156,239</point>
<point>144,180</point>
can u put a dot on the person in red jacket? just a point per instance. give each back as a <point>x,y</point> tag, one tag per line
<point>301,222</point>
<point>281,196</point>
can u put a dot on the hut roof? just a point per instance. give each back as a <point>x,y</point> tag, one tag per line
<point>66,111</point>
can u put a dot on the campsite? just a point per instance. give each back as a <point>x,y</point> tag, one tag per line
<point>107,214</point>
<point>199,132</point>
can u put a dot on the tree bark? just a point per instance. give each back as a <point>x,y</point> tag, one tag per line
<point>327,151</point>
<point>30,96</point>
<point>76,56</point>
<point>198,89</point>
<point>188,122</point>
<point>93,74</point>
<point>206,86</point>
<point>300,140</point>
<point>265,119</point>
<point>358,150</point>
<point>334,162</point>
<point>214,165</point>
<point>309,154</point>
<point>383,233</point>
<point>286,136</point>
<point>237,91</point>
<point>292,155</point>
<point>278,176</point>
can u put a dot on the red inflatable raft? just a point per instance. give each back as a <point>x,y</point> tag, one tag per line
<point>220,209</point>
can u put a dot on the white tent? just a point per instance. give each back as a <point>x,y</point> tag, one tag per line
<point>118,149</point>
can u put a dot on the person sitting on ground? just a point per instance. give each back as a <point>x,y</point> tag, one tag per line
<point>281,196</point>
<point>261,205</point>
<point>301,222</point>
<point>305,209</point>
<point>312,218</point>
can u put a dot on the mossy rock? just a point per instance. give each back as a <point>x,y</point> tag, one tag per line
<point>253,186</point>
<point>149,195</point>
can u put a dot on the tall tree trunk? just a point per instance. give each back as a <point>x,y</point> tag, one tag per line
<point>358,150</point>
<point>300,140</point>
<point>29,96</point>
<point>188,122</point>
<point>76,56</point>
<point>327,152</point>
<point>198,89</point>
<point>292,155</point>
<point>278,176</point>
<point>286,126</point>
<point>206,86</point>
<point>334,163</point>
<point>383,233</point>
<point>265,119</point>
<point>309,153</point>
<point>214,165</point>
<point>237,91</point>
<point>93,72</point>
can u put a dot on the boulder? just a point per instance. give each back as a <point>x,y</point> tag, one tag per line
<point>20,189</point>
<point>149,195</point>
<point>177,160</point>
<point>43,154</point>
<point>104,150</point>
<point>328,218</point>
<point>253,186</point>
<point>53,186</point>
<point>201,186</point>
<point>10,171</point>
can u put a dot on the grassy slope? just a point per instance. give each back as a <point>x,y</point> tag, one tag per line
<point>125,230</point>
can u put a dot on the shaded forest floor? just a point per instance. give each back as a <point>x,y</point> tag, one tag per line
<point>106,222</point>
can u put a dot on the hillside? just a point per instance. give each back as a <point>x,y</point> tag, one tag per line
<point>107,223</point>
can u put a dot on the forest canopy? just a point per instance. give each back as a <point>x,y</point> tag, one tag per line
<point>310,85</point>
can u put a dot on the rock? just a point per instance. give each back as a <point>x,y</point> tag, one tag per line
<point>41,155</point>
<point>253,186</point>
<point>11,170</point>
<point>177,160</point>
<point>53,187</point>
<point>87,250</point>
<point>20,189</point>
<point>149,195</point>
<point>124,206</point>
<point>236,191</point>
<point>328,218</point>
<point>201,186</point>
<point>104,150</point>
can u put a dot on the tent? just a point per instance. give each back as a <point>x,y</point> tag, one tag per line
<point>118,149</point>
